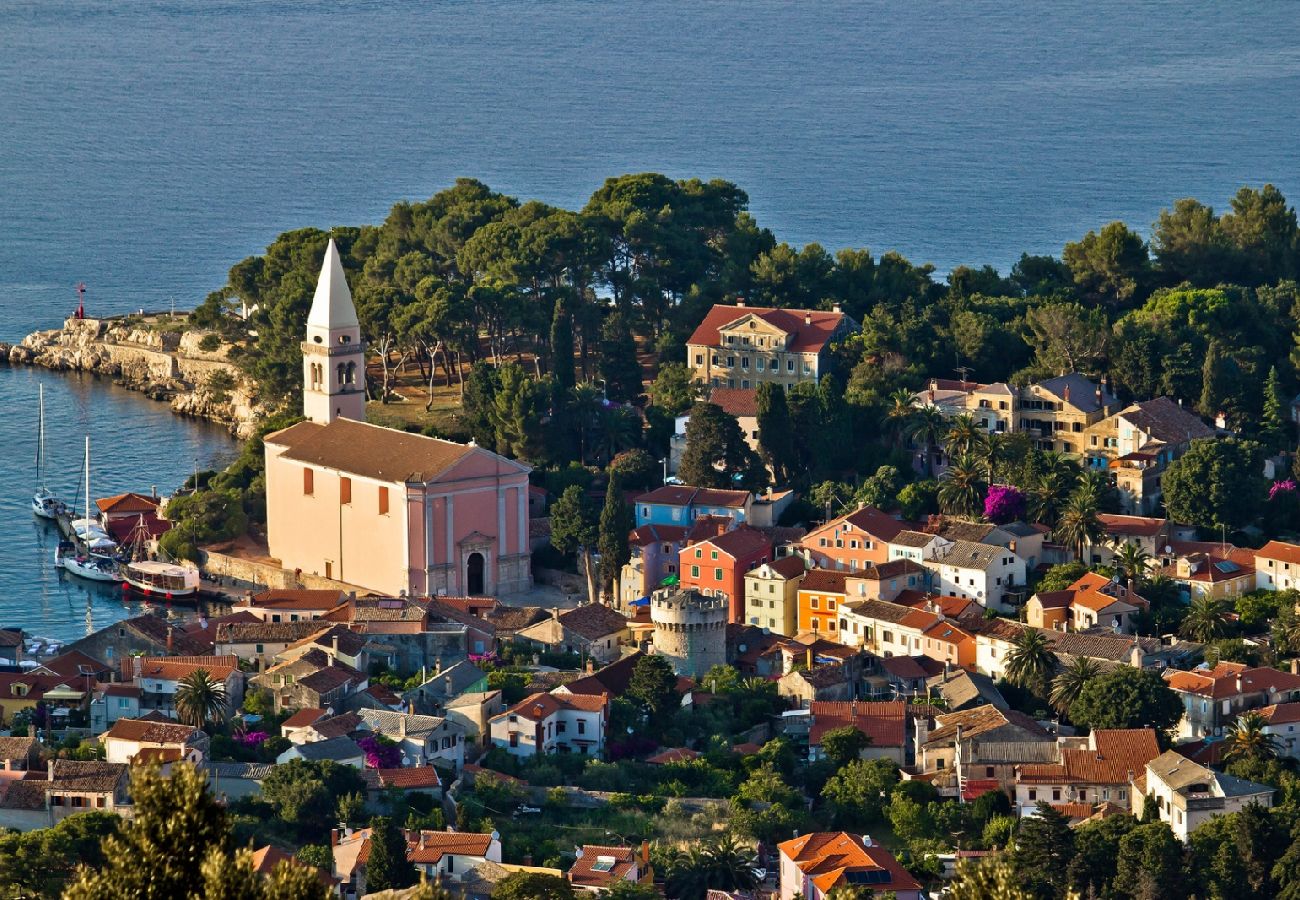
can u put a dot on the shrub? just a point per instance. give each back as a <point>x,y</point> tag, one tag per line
<point>210,343</point>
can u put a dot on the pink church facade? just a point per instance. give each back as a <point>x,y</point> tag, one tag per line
<point>380,509</point>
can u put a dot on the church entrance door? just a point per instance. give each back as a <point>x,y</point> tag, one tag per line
<point>474,574</point>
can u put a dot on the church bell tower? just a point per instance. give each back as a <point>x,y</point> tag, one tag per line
<point>333,356</point>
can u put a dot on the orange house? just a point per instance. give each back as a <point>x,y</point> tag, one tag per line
<point>717,566</point>
<point>854,542</point>
<point>946,641</point>
<point>821,594</point>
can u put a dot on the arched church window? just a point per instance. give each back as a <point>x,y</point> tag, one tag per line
<point>352,373</point>
<point>342,373</point>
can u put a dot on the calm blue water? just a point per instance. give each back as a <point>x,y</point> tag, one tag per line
<point>145,146</point>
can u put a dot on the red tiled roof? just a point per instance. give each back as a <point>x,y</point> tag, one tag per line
<point>1279,550</point>
<point>788,566</point>
<point>304,717</point>
<point>683,494</point>
<point>1138,526</point>
<point>739,402</point>
<point>884,722</point>
<point>948,632</point>
<point>151,732</point>
<point>130,502</point>
<point>828,857</point>
<point>868,520</point>
<point>584,873</point>
<point>672,755</point>
<point>809,329</point>
<point>411,778</point>
<point>550,703</point>
<point>1113,757</point>
<point>1281,713</point>
<point>657,534</point>
<point>1221,681</point>
<point>293,598</point>
<point>740,543</point>
<point>823,581</point>
<point>903,667</point>
<point>174,668</point>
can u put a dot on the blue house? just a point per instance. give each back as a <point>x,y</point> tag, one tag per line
<point>683,504</point>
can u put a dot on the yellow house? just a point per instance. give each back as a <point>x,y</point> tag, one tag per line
<point>739,346</point>
<point>772,595</point>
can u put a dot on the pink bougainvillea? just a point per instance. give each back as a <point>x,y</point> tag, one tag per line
<point>381,753</point>
<point>1003,503</point>
<point>1281,487</point>
<point>251,738</point>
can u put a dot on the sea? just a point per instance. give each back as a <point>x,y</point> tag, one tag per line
<point>147,145</point>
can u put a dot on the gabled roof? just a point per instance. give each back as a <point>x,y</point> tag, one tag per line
<point>128,503</point>
<point>594,621</point>
<point>672,755</point>
<point>74,663</point>
<point>645,535</point>
<point>1077,390</point>
<point>297,599</point>
<point>1279,550</point>
<point>685,494</point>
<point>539,706</point>
<point>324,635</point>
<point>17,747</point>
<point>982,720</point>
<point>1281,713</point>
<point>884,722</point>
<point>1113,756</point>
<point>836,858</point>
<point>258,632</point>
<point>809,330</point>
<point>1222,681</point>
<point>152,732</point>
<point>599,866</point>
<point>741,542</point>
<point>879,610</point>
<point>823,581</point>
<point>739,402</point>
<point>613,679</point>
<point>304,717</point>
<point>174,668</point>
<point>412,778</point>
<point>371,451</point>
<point>970,555</point>
<point>1137,526</point>
<point>390,724</point>
<point>88,777</point>
<point>870,521</point>
<point>335,748</point>
<point>1165,421</point>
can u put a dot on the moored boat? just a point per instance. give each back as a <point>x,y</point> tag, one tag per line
<point>44,503</point>
<point>167,580</point>
<point>86,565</point>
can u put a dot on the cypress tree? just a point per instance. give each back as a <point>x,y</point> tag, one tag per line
<point>616,520</point>
<point>618,363</point>
<point>387,866</point>
<point>1273,421</point>
<point>1213,381</point>
<point>775,431</point>
<point>562,347</point>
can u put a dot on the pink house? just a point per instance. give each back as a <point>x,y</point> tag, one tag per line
<point>380,509</point>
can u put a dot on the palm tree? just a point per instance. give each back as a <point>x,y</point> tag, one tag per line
<point>1068,684</point>
<point>584,408</point>
<point>200,699</point>
<point>960,487</point>
<point>722,863</point>
<point>1030,661</point>
<point>962,437</point>
<point>1078,524</point>
<point>619,430</point>
<point>1133,560</point>
<point>928,426</point>
<point>1055,479</point>
<point>1207,620</point>
<point>1247,739</point>
<point>990,449</point>
<point>898,415</point>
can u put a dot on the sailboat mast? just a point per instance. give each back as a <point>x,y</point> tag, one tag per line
<point>87,479</point>
<point>40,437</point>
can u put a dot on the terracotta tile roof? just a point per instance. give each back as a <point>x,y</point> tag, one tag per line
<point>11,637</point>
<point>613,679</point>
<point>88,777</point>
<point>672,755</point>
<point>1054,599</point>
<point>1281,713</point>
<point>884,722</point>
<point>372,451</point>
<point>831,858</point>
<point>1166,421</point>
<point>621,862</point>
<point>123,504</point>
<point>1077,390</point>
<point>739,402</point>
<point>879,610</point>
<point>71,663</point>
<point>337,726</point>
<point>788,566</point>
<point>919,619</point>
<point>156,629</point>
<point>822,581</point>
<point>258,632</point>
<point>431,846</point>
<point>1280,551</point>
<point>880,526</point>
<point>23,794</point>
<point>645,535</point>
<point>982,720</point>
<point>329,678</point>
<point>151,732</point>
<point>548,704</point>
<point>593,621</point>
<point>1137,526</point>
<point>948,632</point>
<point>118,689</point>
<point>414,778</point>
<point>17,747</point>
<point>304,717</point>
<point>324,635</point>
<point>298,599</point>
<point>174,668</point>
<point>1113,757</point>
<point>1221,681</point>
<point>908,538</point>
<point>904,667</point>
<point>1074,810</point>
<point>685,495</point>
<point>809,330</point>
<point>509,619</point>
<point>892,569</point>
<point>742,542</point>
<point>160,755</point>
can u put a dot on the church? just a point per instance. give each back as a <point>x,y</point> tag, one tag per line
<point>381,509</point>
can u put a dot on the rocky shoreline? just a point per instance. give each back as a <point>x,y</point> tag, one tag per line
<point>164,362</point>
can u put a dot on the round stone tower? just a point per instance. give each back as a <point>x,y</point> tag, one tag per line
<point>690,630</point>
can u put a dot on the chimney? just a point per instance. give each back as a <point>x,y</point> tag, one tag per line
<point>401,726</point>
<point>446,682</point>
<point>1295,667</point>
<point>528,859</point>
<point>808,658</point>
<point>49,769</point>
<point>740,301</point>
<point>591,665</point>
<point>153,491</point>
<point>170,634</point>
<point>1067,393</point>
<point>410,707</point>
<point>335,643</point>
<point>555,613</point>
<point>137,667</point>
<point>334,837</point>
<point>807,318</point>
<point>645,854</point>
<point>1240,685</point>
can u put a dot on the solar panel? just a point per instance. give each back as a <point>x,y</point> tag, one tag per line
<point>1227,566</point>
<point>867,876</point>
<point>603,864</point>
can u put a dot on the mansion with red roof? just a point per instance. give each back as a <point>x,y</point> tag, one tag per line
<point>740,346</point>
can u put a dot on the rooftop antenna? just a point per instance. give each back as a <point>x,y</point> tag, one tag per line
<point>81,300</point>
<point>964,372</point>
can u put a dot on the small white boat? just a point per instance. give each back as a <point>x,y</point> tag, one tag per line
<point>86,565</point>
<point>168,579</point>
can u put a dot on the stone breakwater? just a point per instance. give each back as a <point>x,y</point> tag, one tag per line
<point>164,364</point>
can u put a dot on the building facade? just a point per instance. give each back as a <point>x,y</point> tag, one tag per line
<point>740,346</point>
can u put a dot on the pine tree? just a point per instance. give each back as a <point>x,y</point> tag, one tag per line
<point>562,347</point>
<point>574,530</point>
<point>775,431</point>
<point>1044,850</point>
<point>618,363</point>
<point>716,453</point>
<point>1272,425</point>
<point>387,866</point>
<point>517,409</point>
<point>616,520</point>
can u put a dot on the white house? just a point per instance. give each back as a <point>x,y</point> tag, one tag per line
<point>546,723</point>
<point>424,740</point>
<point>111,702</point>
<point>989,574</point>
<point>1284,724</point>
<point>1277,566</point>
<point>1188,794</point>
<point>140,741</point>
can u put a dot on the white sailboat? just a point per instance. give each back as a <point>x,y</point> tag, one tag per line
<point>94,564</point>
<point>44,503</point>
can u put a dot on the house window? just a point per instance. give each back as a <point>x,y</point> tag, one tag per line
<point>1033,794</point>
<point>940,763</point>
<point>345,489</point>
<point>383,501</point>
<point>1056,794</point>
<point>814,603</point>
<point>713,554</point>
<point>514,739</point>
<point>582,726</point>
<point>308,482</point>
<point>561,727</point>
<point>717,574</point>
<point>988,771</point>
<point>695,571</point>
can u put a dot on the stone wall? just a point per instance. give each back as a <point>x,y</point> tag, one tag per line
<point>266,573</point>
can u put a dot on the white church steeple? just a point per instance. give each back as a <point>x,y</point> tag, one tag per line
<point>333,356</point>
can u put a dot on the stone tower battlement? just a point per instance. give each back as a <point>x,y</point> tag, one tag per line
<point>690,629</point>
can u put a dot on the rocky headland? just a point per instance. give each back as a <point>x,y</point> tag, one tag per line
<point>187,368</point>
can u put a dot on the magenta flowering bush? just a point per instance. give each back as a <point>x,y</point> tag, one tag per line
<point>1004,503</point>
<point>252,738</point>
<point>1281,487</point>
<point>381,753</point>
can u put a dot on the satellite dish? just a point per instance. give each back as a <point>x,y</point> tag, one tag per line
<point>496,835</point>
<point>578,853</point>
<point>1168,549</point>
